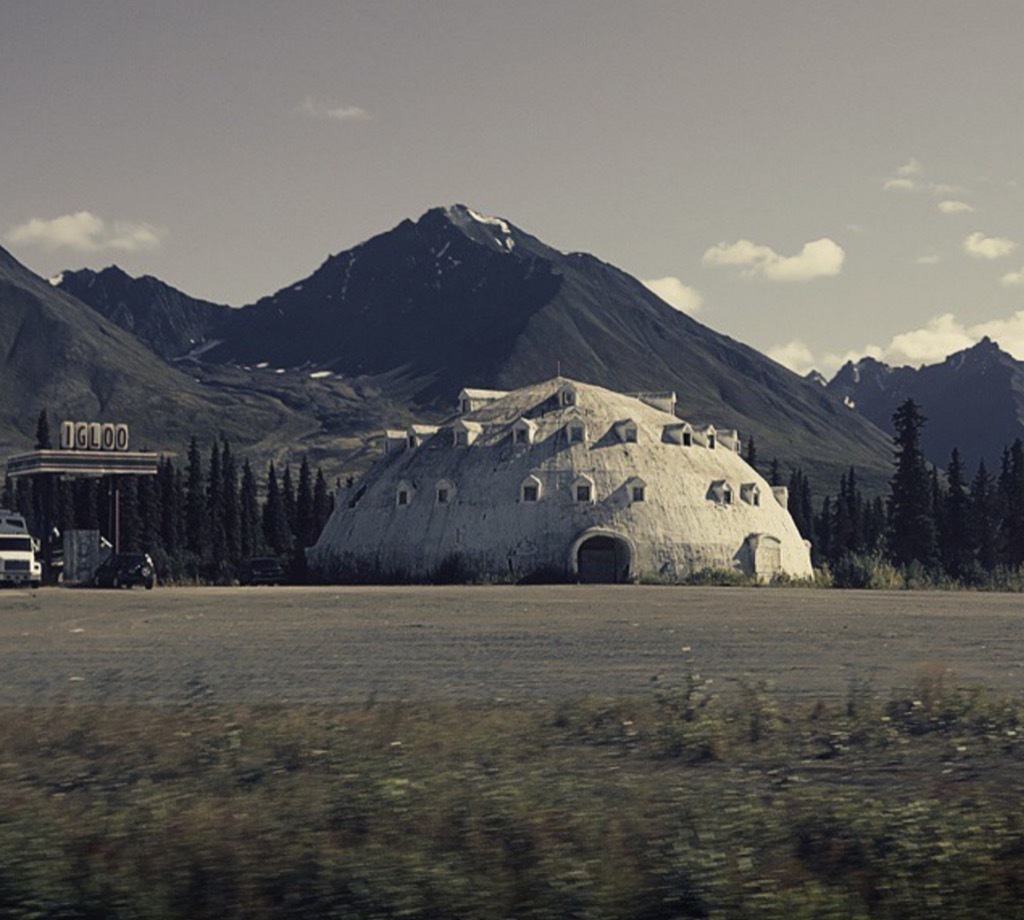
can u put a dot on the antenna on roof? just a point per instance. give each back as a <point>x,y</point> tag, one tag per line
<point>558,368</point>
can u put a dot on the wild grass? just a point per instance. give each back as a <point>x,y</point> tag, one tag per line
<point>689,802</point>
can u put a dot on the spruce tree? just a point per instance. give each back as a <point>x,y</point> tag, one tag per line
<point>276,532</point>
<point>751,452</point>
<point>229,502</point>
<point>323,503</point>
<point>304,522</point>
<point>215,509</point>
<point>288,498</point>
<point>43,439</point>
<point>196,528</point>
<point>953,522</point>
<point>983,519</point>
<point>1012,496</point>
<point>912,533</point>
<point>250,530</point>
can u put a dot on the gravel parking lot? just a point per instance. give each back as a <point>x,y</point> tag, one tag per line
<point>337,644</point>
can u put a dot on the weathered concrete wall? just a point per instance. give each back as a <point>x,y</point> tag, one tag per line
<point>679,527</point>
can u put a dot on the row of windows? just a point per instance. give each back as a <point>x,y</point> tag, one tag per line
<point>582,491</point>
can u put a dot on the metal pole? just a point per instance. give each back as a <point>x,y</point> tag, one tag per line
<point>117,514</point>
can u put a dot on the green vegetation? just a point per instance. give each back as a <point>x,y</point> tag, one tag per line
<point>200,524</point>
<point>689,802</point>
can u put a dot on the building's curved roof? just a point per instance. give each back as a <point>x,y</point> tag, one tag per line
<point>515,486</point>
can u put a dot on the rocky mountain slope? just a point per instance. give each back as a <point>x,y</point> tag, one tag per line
<point>57,353</point>
<point>164,319</point>
<point>974,400</point>
<point>460,299</point>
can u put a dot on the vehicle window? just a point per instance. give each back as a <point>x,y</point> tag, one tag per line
<point>15,544</point>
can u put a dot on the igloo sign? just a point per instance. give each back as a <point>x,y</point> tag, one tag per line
<point>107,436</point>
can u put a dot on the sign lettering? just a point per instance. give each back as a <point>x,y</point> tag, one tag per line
<point>106,436</point>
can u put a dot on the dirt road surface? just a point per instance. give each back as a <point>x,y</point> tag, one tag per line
<point>336,644</point>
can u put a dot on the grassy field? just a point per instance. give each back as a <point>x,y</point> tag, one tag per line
<point>547,753</point>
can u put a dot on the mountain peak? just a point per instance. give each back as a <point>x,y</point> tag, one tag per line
<point>494,233</point>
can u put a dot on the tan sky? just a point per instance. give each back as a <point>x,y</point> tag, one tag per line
<point>821,180</point>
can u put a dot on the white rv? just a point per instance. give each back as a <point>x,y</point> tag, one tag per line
<point>18,563</point>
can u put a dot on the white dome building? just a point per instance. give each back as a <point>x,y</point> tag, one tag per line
<point>560,480</point>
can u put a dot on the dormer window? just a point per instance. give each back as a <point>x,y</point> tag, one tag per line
<point>465,433</point>
<point>751,494</point>
<point>529,490</point>
<point>583,490</point>
<point>678,433</point>
<point>524,431</point>
<point>567,396</point>
<point>415,435</point>
<point>710,437</point>
<point>721,492</point>
<point>445,492</point>
<point>577,434</point>
<point>403,494</point>
<point>636,489</point>
<point>625,431</point>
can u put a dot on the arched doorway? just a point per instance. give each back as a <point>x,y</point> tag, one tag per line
<point>602,558</point>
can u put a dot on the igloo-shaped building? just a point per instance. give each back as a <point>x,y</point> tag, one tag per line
<point>560,479</point>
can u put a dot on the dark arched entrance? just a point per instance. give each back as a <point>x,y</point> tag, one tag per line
<point>603,559</point>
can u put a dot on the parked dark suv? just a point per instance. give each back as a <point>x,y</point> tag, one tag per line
<point>123,570</point>
<point>262,570</point>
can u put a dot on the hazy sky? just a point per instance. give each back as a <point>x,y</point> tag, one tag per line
<point>817,179</point>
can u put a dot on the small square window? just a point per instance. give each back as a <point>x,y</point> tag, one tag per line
<point>583,493</point>
<point>403,497</point>
<point>631,435</point>
<point>520,436</point>
<point>529,493</point>
<point>568,398</point>
<point>638,494</point>
<point>727,497</point>
<point>442,496</point>
<point>461,439</point>
<point>576,434</point>
<point>412,440</point>
<point>687,439</point>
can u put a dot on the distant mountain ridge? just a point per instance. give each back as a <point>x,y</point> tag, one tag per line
<point>164,319</point>
<point>457,298</point>
<point>973,400</point>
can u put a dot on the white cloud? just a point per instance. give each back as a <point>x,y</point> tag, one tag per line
<point>906,178</point>
<point>1012,279</point>
<point>932,343</point>
<point>931,259</point>
<point>817,259</point>
<point>936,340</point>
<point>900,184</point>
<point>953,206</point>
<point>910,177</point>
<point>988,247</point>
<point>795,355</point>
<point>85,232</point>
<point>676,294</point>
<point>325,111</point>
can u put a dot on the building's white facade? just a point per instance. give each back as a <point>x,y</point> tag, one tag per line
<point>560,480</point>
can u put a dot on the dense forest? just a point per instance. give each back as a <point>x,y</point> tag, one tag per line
<point>933,528</point>
<point>199,523</point>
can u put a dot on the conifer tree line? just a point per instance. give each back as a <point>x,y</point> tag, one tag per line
<point>199,523</point>
<point>955,528</point>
